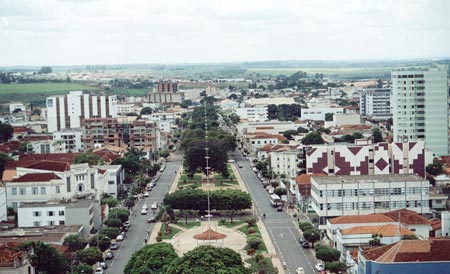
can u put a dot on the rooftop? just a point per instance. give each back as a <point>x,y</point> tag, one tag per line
<point>80,203</point>
<point>407,217</point>
<point>37,177</point>
<point>436,250</point>
<point>359,219</point>
<point>355,179</point>
<point>389,230</point>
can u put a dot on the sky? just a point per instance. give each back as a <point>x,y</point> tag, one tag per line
<point>77,32</point>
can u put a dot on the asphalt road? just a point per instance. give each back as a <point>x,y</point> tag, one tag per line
<point>282,230</point>
<point>138,224</point>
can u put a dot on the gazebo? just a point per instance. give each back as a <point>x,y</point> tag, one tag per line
<point>209,236</point>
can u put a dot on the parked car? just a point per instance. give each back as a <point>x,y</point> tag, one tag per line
<point>299,270</point>
<point>144,211</point>
<point>151,219</point>
<point>103,265</point>
<point>99,270</point>
<point>109,255</point>
<point>144,206</point>
<point>305,245</point>
<point>320,266</point>
<point>126,224</point>
<point>113,246</point>
<point>154,205</point>
<point>279,209</point>
<point>119,237</point>
<point>239,165</point>
<point>146,194</point>
<point>302,240</point>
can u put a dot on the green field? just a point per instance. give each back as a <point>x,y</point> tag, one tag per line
<point>131,91</point>
<point>343,72</point>
<point>36,92</point>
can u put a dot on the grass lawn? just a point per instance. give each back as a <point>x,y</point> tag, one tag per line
<point>188,225</point>
<point>37,92</point>
<point>262,246</point>
<point>231,225</point>
<point>224,183</point>
<point>173,231</point>
<point>255,267</point>
<point>196,177</point>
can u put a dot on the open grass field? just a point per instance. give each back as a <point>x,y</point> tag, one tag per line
<point>36,92</point>
<point>349,72</point>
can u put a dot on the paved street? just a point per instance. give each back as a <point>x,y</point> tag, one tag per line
<point>139,226</point>
<point>281,229</point>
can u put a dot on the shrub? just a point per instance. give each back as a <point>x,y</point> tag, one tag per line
<point>251,230</point>
<point>159,233</point>
<point>254,241</point>
<point>222,221</point>
<point>251,251</point>
<point>259,257</point>
<point>251,221</point>
<point>294,215</point>
<point>159,239</point>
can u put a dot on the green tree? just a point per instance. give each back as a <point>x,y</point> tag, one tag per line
<point>357,135</point>
<point>435,168</point>
<point>113,222</point>
<point>82,269</point>
<point>153,258</point>
<point>377,135</point>
<point>254,241</point>
<point>111,232</point>
<point>45,70</point>
<point>312,138</point>
<point>73,242</point>
<point>311,235</point>
<point>101,241</point>
<point>90,158</point>
<point>110,201</point>
<point>6,132</point>
<point>280,191</point>
<point>164,153</point>
<point>288,134</point>
<point>208,259</point>
<point>146,110</point>
<point>336,267</point>
<point>327,254</point>
<point>119,213</point>
<point>45,258</point>
<point>302,130</point>
<point>305,226</point>
<point>90,255</point>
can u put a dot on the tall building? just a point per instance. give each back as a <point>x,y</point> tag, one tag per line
<point>167,93</point>
<point>375,103</point>
<point>167,86</point>
<point>69,111</point>
<point>420,106</point>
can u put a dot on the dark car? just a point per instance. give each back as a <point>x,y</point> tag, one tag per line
<point>113,246</point>
<point>279,209</point>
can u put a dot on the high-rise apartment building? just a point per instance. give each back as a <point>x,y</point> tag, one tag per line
<point>167,93</point>
<point>375,103</point>
<point>420,106</point>
<point>69,111</point>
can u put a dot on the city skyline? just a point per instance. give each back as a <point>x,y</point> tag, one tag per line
<point>71,32</point>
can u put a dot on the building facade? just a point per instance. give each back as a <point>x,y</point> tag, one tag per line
<point>333,196</point>
<point>72,139</point>
<point>375,103</point>
<point>69,111</point>
<point>420,107</point>
<point>371,159</point>
<point>285,162</point>
<point>3,208</point>
<point>318,114</point>
<point>252,114</point>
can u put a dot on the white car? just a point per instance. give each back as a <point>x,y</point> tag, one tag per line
<point>155,205</point>
<point>146,194</point>
<point>299,270</point>
<point>144,206</point>
<point>144,211</point>
<point>99,270</point>
<point>320,266</point>
<point>119,237</point>
<point>271,191</point>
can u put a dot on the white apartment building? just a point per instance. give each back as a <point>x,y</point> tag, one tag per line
<point>80,180</point>
<point>270,101</point>
<point>375,103</point>
<point>3,207</point>
<point>285,162</point>
<point>68,111</point>
<point>253,114</point>
<point>420,106</point>
<point>17,105</point>
<point>123,109</point>
<point>46,146</point>
<point>228,105</point>
<point>85,212</point>
<point>318,114</point>
<point>269,127</point>
<point>333,196</point>
<point>72,139</point>
<point>346,119</point>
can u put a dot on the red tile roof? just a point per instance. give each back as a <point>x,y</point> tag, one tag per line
<point>10,254</point>
<point>305,179</point>
<point>50,165</point>
<point>267,148</point>
<point>67,157</point>
<point>390,230</point>
<point>37,177</point>
<point>19,129</point>
<point>360,219</point>
<point>436,250</point>
<point>407,217</point>
<point>436,224</point>
<point>9,147</point>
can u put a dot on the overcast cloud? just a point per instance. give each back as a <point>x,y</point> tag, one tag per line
<point>70,32</point>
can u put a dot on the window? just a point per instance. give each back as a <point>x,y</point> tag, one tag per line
<point>37,223</point>
<point>22,191</point>
<point>50,213</point>
<point>43,190</point>
<point>14,205</point>
<point>110,182</point>
<point>58,189</point>
<point>61,213</point>
<point>34,191</point>
<point>51,223</point>
<point>36,213</point>
<point>62,223</point>
<point>68,184</point>
<point>13,191</point>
